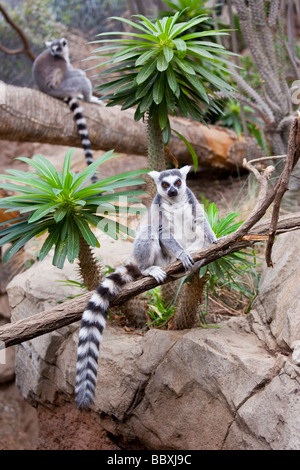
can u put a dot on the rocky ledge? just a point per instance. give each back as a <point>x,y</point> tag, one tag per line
<point>234,386</point>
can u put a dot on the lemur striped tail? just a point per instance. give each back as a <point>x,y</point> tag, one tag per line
<point>82,130</point>
<point>92,326</point>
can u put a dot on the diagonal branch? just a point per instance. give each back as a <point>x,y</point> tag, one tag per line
<point>26,49</point>
<point>293,155</point>
<point>71,310</point>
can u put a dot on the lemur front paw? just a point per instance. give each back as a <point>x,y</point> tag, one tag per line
<point>186,260</point>
<point>155,271</point>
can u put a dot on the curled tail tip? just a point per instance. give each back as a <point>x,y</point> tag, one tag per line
<point>83,401</point>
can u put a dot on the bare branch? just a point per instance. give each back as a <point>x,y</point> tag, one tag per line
<point>293,155</point>
<point>26,49</point>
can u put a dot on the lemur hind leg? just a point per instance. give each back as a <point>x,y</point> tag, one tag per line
<point>146,250</point>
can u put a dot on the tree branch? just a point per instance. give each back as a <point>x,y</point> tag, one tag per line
<point>71,310</point>
<point>22,50</point>
<point>293,155</point>
<point>28,115</point>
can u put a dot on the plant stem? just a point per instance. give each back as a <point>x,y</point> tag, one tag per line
<point>156,148</point>
<point>88,265</point>
<point>188,303</point>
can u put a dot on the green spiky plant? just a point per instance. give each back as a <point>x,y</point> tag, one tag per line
<point>162,70</point>
<point>190,9</point>
<point>63,206</point>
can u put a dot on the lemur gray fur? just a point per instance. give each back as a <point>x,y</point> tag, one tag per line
<point>54,75</point>
<point>174,226</point>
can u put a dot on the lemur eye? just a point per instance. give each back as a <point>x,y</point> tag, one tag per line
<point>178,183</point>
<point>64,42</point>
<point>165,184</point>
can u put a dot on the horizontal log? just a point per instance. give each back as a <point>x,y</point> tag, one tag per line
<point>28,115</point>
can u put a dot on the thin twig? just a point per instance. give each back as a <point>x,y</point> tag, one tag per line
<point>274,157</point>
<point>293,155</point>
<point>22,50</point>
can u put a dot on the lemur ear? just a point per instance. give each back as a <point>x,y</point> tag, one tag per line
<point>154,175</point>
<point>48,43</point>
<point>184,170</point>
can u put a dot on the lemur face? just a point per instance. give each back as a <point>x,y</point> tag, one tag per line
<point>170,183</point>
<point>58,48</point>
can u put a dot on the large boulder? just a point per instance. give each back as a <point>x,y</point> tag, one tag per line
<point>231,387</point>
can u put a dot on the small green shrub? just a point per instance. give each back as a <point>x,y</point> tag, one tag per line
<point>63,206</point>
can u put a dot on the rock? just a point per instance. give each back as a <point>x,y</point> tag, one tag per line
<point>234,387</point>
<point>296,352</point>
<point>279,293</point>
<point>7,365</point>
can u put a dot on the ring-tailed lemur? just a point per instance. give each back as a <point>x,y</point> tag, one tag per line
<point>54,75</point>
<point>174,226</point>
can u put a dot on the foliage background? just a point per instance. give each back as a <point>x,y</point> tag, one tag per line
<point>42,20</point>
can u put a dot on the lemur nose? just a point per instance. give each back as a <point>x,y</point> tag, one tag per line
<point>172,192</point>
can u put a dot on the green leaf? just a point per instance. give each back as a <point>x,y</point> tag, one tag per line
<point>146,102</point>
<point>131,23</point>
<point>19,244</point>
<point>86,231</point>
<point>197,85</point>
<point>170,99</point>
<point>162,115</point>
<point>67,165</point>
<point>15,231</point>
<point>49,242</point>
<point>158,89</point>
<point>181,48</point>
<point>60,213</point>
<point>142,91</point>
<point>60,254</point>
<point>45,168</point>
<point>171,77</point>
<point>131,101</point>
<point>215,32</point>
<point>28,178</point>
<point>213,79</point>
<point>166,133</point>
<point>130,55</point>
<point>144,57</point>
<point>190,148</point>
<point>180,27</point>
<point>85,175</point>
<point>168,53</point>
<point>146,71</point>
<point>184,66</point>
<point>42,211</point>
<point>72,243</point>
<point>161,64</point>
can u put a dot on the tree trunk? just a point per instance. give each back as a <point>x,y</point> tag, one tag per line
<point>188,304</point>
<point>28,115</point>
<point>89,267</point>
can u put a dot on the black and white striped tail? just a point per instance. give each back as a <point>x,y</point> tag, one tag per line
<point>92,326</point>
<point>83,132</point>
